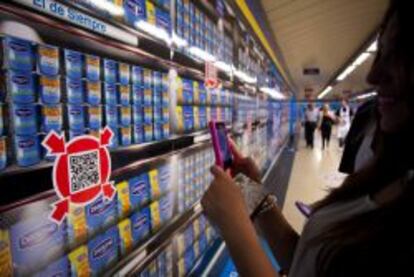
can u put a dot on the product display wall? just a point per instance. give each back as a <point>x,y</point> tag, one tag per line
<point>74,79</point>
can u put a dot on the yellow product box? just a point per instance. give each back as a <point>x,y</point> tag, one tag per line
<point>124,204</point>
<point>180,243</point>
<point>6,268</point>
<point>77,226</point>
<point>196,228</point>
<point>196,118</point>
<point>196,249</point>
<point>125,236</point>
<point>150,12</point>
<point>181,267</point>
<point>180,90</point>
<point>154,184</point>
<point>155,215</point>
<point>79,262</point>
<point>196,92</point>
<point>180,118</point>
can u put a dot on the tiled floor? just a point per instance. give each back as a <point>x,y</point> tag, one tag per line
<point>314,172</point>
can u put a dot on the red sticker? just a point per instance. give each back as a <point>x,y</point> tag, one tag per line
<point>81,171</point>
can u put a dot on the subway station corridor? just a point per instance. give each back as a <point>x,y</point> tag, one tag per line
<point>314,172</point>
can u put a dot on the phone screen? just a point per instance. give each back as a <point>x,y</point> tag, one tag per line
<point>224,145</point>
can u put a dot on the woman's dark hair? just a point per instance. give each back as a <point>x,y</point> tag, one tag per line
<point>379,242</point>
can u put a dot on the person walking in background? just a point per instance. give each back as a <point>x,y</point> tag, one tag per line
<point>326,122</point>
<point>343,115</point>
<point>311,120</point>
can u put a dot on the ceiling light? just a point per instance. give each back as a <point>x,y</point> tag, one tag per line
<point>361,59</point>
<point>373,47</point>
<point>366,95</point>
<point>109,7</point>
<point>346,73</point>
<point>325,92</point>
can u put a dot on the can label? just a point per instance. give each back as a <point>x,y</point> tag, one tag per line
<point>124,73</point>
<point>52,118</point>
<point>22,87</point>
<point>125,116</point>
<point>50,89</point>
<point>24,118</point>
<point>155,215</point>
<point>95,117</point>
<point>48,60</point>
<point>126,136</point>
<point>124,95</point>
<point>94,92</point>
<point>93,66</point>
<point>73,64</point>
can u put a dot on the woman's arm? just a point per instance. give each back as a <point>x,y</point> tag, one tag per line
<point>224,205</point>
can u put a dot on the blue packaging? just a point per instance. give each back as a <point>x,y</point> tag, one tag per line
<point>138,133</point>
<point>115,139</point>
<point>166,207</point>
<point>111,116</point>
<point>135,10</point>
<point>188,91</point>
<point>139,189</point>
<point>21,86</point>
<point>93,92</point>
<point>162,20</point>
<point>157,130</point>
<point>93,68</point>
<point>52,118</point>
<point>48,60</point>
<point>110,70</point>
<point>124,73</point>
<point>148,132</point>
<point>3,153</point>
<point>137,114</point>
<point>100,213</point>
<point>137,94</point>
<point>165,116</point>
<point>76,117</point>
<point>76,133</point>
<point>166,130</point>
<point>18,54</point>
<point>164,178</point>
<point>157,97</point>
<point>125,136</point>
<point>137,78</point>
<point>188,118</point>
<point>49,89</point>
<point>110,94</point>
<point>203,117</point>
<point>141,225</point>
<point>148,114</point>
<point>24,119</point>
<point>157,114</point>
<point>27,150</point>
<point>35,240</point>
<point>103,251</point>
<point>124,94</point>
<point>74,91</point>
<point>55,269</point>
<point>73,64</point>
<point>164,4</point>
<point>189,258</point>
<point>125,116</point>
<point>94,117</point>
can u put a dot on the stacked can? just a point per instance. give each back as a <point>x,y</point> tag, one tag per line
<point>137,104</point>
<point>148,106</point>
<point>157,104</point>
<point>124,100</point>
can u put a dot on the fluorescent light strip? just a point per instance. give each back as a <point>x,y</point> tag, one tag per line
<point>365,96</point>
<point>153,30</point>
<point>200,53</point>
<point>361,59</point>
<point>373,47</point>
<point>325,92</point>
<point>109,7</point>
<point>346,73</point>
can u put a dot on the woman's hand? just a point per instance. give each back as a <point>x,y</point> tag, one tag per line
<point>244,165</point>
<point>223,202</point>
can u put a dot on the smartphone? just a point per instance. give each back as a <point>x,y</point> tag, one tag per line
<point>221,146</point>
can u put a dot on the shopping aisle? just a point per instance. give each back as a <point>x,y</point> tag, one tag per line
<point>314,172</point>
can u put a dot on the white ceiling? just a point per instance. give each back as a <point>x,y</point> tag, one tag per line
<point>325,34</point>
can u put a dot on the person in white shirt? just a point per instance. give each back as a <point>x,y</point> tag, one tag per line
<point>311,119</point>
<point>344,115</point>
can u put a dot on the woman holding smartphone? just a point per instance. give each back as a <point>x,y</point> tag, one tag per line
<point>361,228</point>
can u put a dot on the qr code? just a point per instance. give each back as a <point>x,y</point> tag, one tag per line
<point>84,170</point>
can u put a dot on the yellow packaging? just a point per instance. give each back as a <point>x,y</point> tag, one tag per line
<point>179,84</point>
<point>180,244</point>
<point>196,228</point>
<point>79,262</point>
<point>208,112</point>
<point>155,215</point>
<point>180,118</point>
<point>155,186</point>
<point>150,12</point>
<point>49,52</point>
<point>77,227</point>
<point>125,234</point>
<point>94,133</point>
<point>124,205</point>
<point>196,118</point>
<point>48,82</point>
<point>196,249</point>
<point>196,92</point>
<point>181,267</point>
<point>6,267</point>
